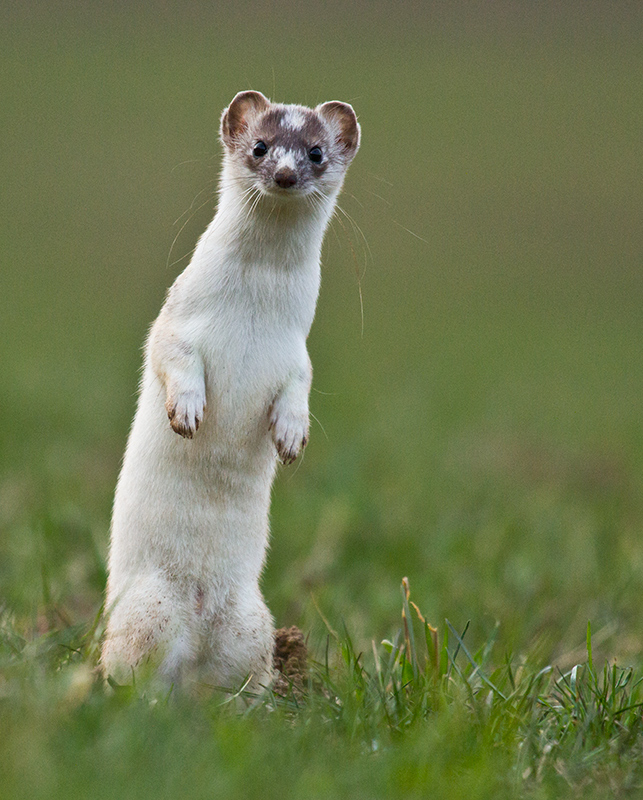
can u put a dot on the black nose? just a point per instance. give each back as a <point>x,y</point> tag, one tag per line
<point>285,178</point>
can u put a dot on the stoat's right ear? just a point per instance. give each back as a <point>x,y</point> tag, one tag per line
<point>234,119</point>
<point>343,123</point>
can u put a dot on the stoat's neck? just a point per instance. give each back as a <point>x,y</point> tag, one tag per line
<point>258,227</point>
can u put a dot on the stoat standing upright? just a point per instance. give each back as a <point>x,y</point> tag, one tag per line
<point>226,362</point>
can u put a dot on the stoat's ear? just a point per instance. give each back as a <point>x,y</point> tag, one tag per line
<point>343,122</point>
<point>234,119</point>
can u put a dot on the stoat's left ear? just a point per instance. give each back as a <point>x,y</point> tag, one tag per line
<point>234,119</point>
<point>343,122</point>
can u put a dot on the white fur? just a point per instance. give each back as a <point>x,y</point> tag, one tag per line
<point>286,159</point>
<point>295,119</point>
<point>227,360</point>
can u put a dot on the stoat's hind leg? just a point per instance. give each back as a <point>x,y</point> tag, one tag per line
<point>239,644</point>
<point>150,628</point>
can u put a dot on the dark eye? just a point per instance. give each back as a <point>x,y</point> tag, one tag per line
<point>260,150</point>
<point>315,155</point>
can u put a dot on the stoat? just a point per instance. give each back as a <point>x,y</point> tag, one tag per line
<point>224,395</point>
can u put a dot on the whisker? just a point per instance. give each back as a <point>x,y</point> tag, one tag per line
<point>255,202</point>
<point>187,161</point>
<point>247,203</point>
<point>320,425</point>
<point>359,202</point>
<point>315,202</point>
<point>357,273</point>
<point>196,197</point>
<point>300,461</point>
<point>181,258</point>
<point>356,227</point>
<point>379,197</point>
<point>417,236</point>
<point>379,178</point>
<point>182,228</point>
<point>274,205</point>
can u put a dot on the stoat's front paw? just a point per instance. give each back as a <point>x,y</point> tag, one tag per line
<point>185,412</point>
<point>289,432</point>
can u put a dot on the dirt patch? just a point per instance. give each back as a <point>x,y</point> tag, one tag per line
<point>291,660</point>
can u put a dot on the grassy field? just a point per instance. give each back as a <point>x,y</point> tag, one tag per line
<point>479,425</point>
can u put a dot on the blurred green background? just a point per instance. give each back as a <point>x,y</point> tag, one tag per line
<point>482,435</point>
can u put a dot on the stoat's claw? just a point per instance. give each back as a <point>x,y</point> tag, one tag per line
<point>185,413</point>
<point>289,433</point>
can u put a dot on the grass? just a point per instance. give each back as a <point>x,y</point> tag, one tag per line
<point>481,435</point>
<point>423,712</point>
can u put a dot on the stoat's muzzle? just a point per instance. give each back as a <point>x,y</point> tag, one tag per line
<point>285,178</point>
